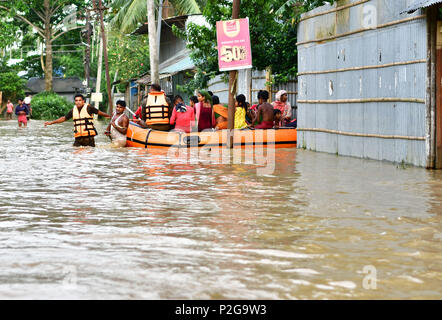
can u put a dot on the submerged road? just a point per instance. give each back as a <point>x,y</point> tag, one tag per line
<point>103,223</point>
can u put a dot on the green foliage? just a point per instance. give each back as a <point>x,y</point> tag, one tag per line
<point>71,65</point>
<point>7,31</point>
<point>273,36</point>
<point>129,14</point>
<point>49,106</point>
<point>11,84</point>
<point>33,15</point>
<point>128,54</point>
<point>296,7</point>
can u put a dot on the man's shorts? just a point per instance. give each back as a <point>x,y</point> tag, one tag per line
<point>22,118</point>
<point>84,142</point>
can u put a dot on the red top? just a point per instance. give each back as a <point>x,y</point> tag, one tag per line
<point>184,120</point>
<point>205,120</point>
<point>138,113</point>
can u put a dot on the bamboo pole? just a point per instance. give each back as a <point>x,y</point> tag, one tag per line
<point>366,100</point>
<point>363,135</point>
<point>394,64</point>
<point>334,10</point>
<point>1,103</point>
<point>269,86</point>
<point>362,30</point>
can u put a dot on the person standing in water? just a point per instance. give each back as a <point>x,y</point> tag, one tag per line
<point>117,128</point>
<point>84,130</point>
<point>9,110</point>
<point>21,110</point>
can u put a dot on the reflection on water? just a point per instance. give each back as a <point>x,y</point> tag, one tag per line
<point>132,223</point>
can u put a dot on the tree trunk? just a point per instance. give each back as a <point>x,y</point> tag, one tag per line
<point>153,45</point>
<point>106,60</point>
<point>48,67</point>
<point>48,36</point>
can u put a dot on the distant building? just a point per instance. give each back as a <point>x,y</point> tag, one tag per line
<point>65,87</point>
<point>369,76</point>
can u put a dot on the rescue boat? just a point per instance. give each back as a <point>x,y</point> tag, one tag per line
<point>148,138</point>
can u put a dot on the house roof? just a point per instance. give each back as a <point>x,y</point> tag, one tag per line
<point>144,79</point>
<point>59,85</point>
<point>185,63</point>
<point>419,4</point>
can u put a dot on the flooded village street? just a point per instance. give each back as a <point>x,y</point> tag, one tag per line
<point>131,223</point>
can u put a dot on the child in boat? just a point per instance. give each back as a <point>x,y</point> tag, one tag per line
<point>240,112</point>
<point>183,116</point>
<point>265,110</point>
<point>277,115</point>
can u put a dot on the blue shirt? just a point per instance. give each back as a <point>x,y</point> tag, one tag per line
<point>23,107</point>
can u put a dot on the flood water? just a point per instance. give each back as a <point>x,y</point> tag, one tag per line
<point>104,223</point>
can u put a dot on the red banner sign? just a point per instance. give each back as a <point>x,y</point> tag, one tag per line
<point>234,49</point>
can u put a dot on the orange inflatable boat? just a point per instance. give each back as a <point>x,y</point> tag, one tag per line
<point>147,138</point>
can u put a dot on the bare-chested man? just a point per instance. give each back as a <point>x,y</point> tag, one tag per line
<point>117,128</point>
<point>265,110</point>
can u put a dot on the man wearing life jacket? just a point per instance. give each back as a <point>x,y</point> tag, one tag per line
<point>84,130</point>
<point>155,113</point>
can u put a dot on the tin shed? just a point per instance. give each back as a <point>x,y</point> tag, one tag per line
<point>367,80</point>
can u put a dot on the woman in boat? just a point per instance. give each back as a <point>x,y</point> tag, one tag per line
<point>284,106</point>
<point>183,116</point>
<point>220,114</point>
<point>204,111</point>
<point>240,112</point>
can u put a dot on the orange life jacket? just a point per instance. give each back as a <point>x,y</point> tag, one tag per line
<point>156,110</point>
<point>83,123</point>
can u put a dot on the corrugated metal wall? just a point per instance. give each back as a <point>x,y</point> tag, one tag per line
<point>362,81</point>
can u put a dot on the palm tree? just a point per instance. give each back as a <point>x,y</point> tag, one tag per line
<point>131,13</point>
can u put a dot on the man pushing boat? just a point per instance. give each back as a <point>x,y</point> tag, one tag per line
<point>84,129</point>
<point>156,111</point>
<point>117,128</point>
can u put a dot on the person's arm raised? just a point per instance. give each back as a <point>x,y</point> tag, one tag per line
<point>101,113</point>
<point>59,120</point>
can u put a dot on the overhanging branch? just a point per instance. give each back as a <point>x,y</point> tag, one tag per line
<point>39,30</point>
<point>61,33</point>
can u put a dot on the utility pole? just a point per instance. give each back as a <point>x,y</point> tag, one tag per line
<point>233,74</point>
<point>100,63</point>
<point>160,20</point>
<point>87,64</point>
<point>153,45</point>
<point>100,10</point>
